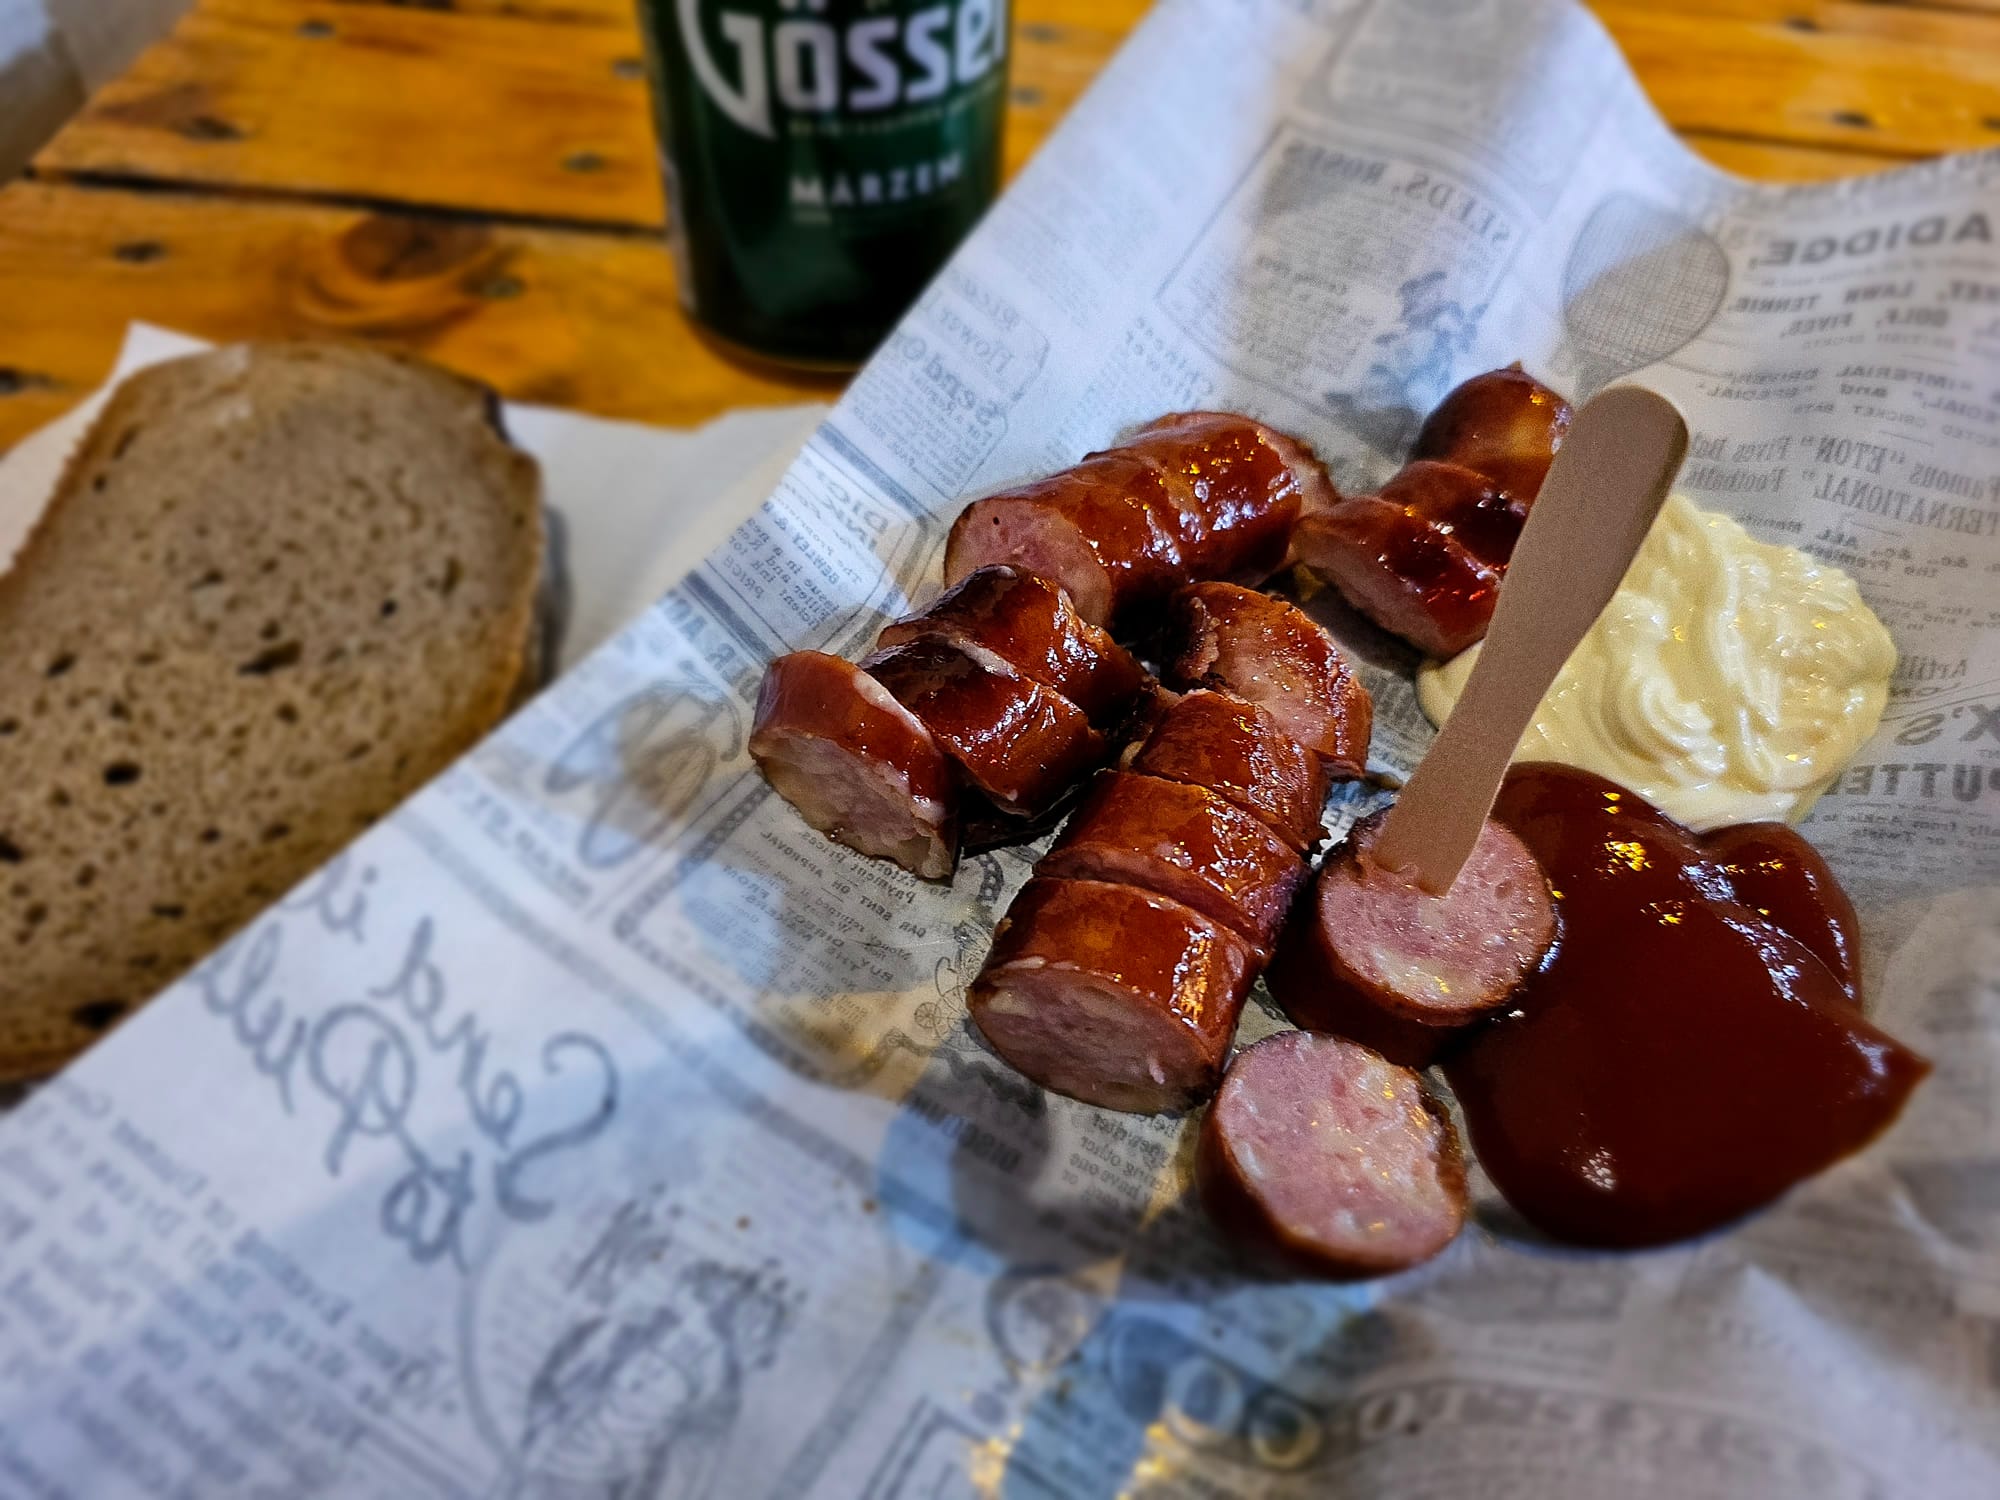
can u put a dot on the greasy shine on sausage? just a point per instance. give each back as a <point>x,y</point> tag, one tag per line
<point>1020,743</point>
<point>1185,842</point>
<point>1031,624</point>
<point>1425,556</point>
<point>1464,504</point>
<point>1237,750</point>
<point>1084,529</point>
<point>1240,488</point>
<point>1408,576</point>
<point>1111,994</point>
<point>1194,495</point>
<point>1505,423</point>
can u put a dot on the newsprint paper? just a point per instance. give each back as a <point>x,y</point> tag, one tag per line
<point>593,1130</point>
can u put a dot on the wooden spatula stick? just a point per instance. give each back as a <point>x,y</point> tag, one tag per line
<point>1607,483</point>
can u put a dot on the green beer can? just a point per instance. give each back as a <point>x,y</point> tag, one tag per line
<point>822,158</point>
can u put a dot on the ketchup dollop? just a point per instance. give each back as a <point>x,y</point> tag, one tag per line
<point>1693,1046</point>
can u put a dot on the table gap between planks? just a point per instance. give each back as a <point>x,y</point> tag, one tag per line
<point>475,179</point>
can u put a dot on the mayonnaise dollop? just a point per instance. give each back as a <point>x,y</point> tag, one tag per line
<point>1727,681</point>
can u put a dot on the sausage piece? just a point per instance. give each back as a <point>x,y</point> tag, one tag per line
<point>1505,423</point>
<point>1330,1160</point>
<point>1194,495</point>
<point>1112,995</point>
<point>1030,623</point>
<point>1784,879</point>
<point>1464,504</point>
<point>1273,654</point>
<point>1083,529</point>
<point>1185,842</point>
<point>1020,743</point>
<point>1242,487</point>
<point>1408,576</point>
<point>1236,750</point>
<point>857,765</point>
<point>1374,957</point>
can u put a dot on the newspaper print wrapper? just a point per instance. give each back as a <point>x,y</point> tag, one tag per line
<point>592,1129</point>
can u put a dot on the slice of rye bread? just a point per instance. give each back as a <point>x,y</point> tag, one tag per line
<point>279,588</point>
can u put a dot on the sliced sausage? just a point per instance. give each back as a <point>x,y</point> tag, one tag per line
<point>1373,956</point>
<point>1112,995</point>
<point>1185,842</point>
<point>1242,487</point>
<point>1031,624</point>
<point>1083,529</point>
<point>1236,750</point>
<point>1785,880</point>
<point>1505,423</point>
<point>1464,504</point>
<point>1020,743</point>
<point>1275,655</point>
<point>1330,1160</point>
<point>1405,574</point>
<point>857,765</point>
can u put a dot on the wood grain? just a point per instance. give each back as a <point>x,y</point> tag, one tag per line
<point>525,113</point>
<point>487,113</point>
<point>547,112</point>
<point>424,176</point>
<point>1881,78</point>
<point>560,317</point>
<point>1779,161</point>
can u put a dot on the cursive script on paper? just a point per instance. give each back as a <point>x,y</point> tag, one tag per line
<point>378,1055</point>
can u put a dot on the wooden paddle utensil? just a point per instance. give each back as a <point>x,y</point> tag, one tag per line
<point>1608,481</point>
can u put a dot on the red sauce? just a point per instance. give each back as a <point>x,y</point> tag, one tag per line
<point>1774,870</point>
<point>1683,1058</point>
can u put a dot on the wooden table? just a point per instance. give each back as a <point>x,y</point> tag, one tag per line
<point>475,179</point>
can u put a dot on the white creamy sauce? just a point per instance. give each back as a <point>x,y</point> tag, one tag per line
<point>1727,681</point>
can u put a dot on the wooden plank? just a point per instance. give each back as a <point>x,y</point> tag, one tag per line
<point>574,12</point>
<point>485,111</point>
<point>519,112</point>
<point>565,318</point>
<point>1776,161</point>
<point>1879,78</point>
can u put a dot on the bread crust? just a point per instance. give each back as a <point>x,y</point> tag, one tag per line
<point>279,586</point>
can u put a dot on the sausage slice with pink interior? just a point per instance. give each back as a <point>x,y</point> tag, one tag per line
<point>1083,529</point>
<point>1185,842</point>
<point>1272,653</point>
<point>1328,1159</point>
<point>857,765</point>
<point>1412,578</point>
<point>1030,623</point>
<point>1236,750</point>
<point>1112,995</point>
<point>1372,956</point>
